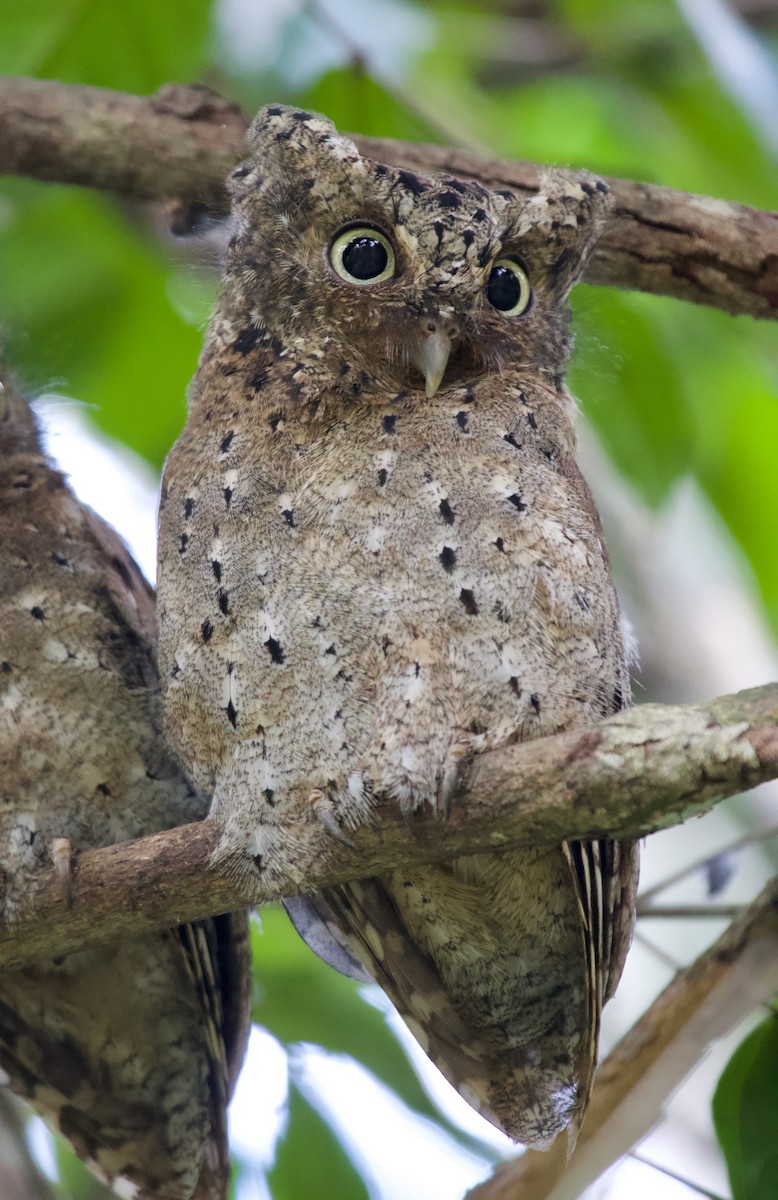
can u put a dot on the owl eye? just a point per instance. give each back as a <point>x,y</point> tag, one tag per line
<point>507,288</point>
<point>362,255</point>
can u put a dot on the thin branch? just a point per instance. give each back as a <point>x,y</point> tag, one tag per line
<point>645,903</point>
<point>702,1004</point>
<point>658,952</point>
<point>182,142</point>
<point>639,771</point>
<point>687,912</point>
<point>688,1183</point>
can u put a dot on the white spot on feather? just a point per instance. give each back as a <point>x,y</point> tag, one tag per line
<point>12,698</point>
<point>385,460</point>
<point>184,654</point>
<point>420,1006</point>
<point>409,759</point>
<point>229,690</point>
<point>28,600</point>
<point>54,651</point>
<point>376,538</point>
<point>355,785</point>
<point>340,489</point>
<point>125,1188</point>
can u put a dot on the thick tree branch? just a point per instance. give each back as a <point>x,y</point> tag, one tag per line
<point>182,142</point>
<point>639,771</point>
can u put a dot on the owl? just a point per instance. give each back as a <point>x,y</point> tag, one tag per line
<point>129,1049</point>
<point>377,556</point>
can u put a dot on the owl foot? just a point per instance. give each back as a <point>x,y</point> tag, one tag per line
<point>460,750</point>
<point>325,814</point>
<point>61,856</point>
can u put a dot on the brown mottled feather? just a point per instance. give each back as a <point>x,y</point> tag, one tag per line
<point>124,1048</point>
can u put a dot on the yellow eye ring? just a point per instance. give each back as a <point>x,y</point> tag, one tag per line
<point>362,255</point>
<point>508,289</point>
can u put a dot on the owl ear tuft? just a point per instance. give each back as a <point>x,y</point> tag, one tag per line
<point>288,134</point>
<point>564,221</point>
<point>300,143</point>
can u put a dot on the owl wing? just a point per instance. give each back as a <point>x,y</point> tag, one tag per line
<point>604,874</point>
<point>137,1100</point>
<point>129,1049</point>
<point>216,956</point>
<point>359,924</point>
<point>531,1102</point>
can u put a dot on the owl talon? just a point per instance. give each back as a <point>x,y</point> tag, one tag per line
<point>61,856</point>
<point>325,815</point>
<point>458,756</point>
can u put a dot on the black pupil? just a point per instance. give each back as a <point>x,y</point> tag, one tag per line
<point>365,257</point>
<point>503,289</point>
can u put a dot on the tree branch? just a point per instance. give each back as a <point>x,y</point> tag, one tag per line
<point>703,1003</point>
<point>182,142</point>
<point>641,770</point>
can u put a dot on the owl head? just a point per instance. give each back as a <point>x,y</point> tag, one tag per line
<point>404,280</point>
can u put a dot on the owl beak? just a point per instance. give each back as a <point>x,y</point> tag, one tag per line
<point>431,356</point>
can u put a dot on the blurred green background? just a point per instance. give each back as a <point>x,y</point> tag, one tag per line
<point>91,303</point>
<point>95,305</point>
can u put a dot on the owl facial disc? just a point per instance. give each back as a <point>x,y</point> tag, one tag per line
<point>431,357</point>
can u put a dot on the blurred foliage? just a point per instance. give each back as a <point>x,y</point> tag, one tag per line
<point>745,1112</point>
<point>74,1178</point>
<point>93,304</point>
<point>324,1170</point>
<point>135,46</point>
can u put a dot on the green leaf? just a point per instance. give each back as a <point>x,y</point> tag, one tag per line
<point>134,46</point>
<point>630,386</point>
<point>676,389</point>
<point>89,308</point>
<point>745,1114</point>
<point>75,1179</point>
<point>310,1161</point>
<point>358,104</point>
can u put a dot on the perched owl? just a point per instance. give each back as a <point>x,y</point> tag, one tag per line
<point>377,555</point>
<point>129,1049</point>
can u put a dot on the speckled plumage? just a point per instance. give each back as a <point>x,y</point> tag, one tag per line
<point>361,580</point>
<point>129,1049</point>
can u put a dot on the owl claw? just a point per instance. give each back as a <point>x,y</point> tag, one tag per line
<point>325,815</point>
<point>450,779</point>
<point>61,856</point>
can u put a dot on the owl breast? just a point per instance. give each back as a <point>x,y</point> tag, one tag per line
<point>409,576</point>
